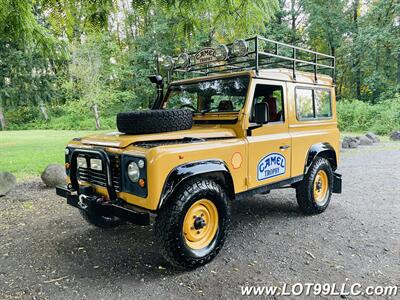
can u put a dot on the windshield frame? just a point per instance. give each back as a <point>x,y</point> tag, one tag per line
<point>211,78</point>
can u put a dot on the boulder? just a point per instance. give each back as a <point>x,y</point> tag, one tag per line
<point>373,137</point>
<point>395,136</point>
<point>54,175</point>
<point>7,182</point>
<point>365,141</point>
<point>349,142</point>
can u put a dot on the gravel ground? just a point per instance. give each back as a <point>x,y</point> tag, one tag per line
<point>48,252</point>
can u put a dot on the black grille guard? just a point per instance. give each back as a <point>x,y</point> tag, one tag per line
<point>106,162</point>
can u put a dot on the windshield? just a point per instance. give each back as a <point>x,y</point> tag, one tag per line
<point>217,95</point>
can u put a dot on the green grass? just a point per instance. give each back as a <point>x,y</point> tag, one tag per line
<point>26,153</point>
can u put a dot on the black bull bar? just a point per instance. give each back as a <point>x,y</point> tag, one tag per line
<point>85,199</point>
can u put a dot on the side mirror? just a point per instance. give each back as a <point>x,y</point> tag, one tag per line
<point>261,113</point>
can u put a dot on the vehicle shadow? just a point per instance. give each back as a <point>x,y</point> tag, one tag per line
<point>132,252</point>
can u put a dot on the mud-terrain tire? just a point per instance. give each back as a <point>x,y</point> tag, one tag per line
<point>100,221</point>
<point>315,190</point>
<point>194,196</point>
<point>154,121</point>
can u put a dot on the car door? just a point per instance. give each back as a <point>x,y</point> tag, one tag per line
<point>269,146</point>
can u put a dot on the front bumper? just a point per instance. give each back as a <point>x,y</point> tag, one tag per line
<point>90,202</point>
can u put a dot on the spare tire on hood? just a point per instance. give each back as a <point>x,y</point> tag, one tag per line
<point>154,121</point>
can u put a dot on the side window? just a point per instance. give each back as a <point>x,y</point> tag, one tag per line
<point>273,96</point>
<point>323,107</point>
<point>313,104</point>
<point>304,101</point>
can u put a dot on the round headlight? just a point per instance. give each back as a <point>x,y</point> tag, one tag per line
<point>141,163</point>
<point>222,52</point>
<point>168,62</point>
<point>183,60</point>
<point>133,172</point>
<point>239,48</point>
<point>66,151</point>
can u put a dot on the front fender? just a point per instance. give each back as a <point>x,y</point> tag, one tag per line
<point>185,171</point>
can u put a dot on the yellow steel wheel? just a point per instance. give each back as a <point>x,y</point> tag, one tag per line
<point>200,224</point>
<point>321,187</point>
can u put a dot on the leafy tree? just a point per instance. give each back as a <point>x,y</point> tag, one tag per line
<point>94,56</point>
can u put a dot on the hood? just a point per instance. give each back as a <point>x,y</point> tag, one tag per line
<point>122,140</point>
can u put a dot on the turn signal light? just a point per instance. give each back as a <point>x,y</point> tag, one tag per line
<point>141,182</point>
<point>67,166</point>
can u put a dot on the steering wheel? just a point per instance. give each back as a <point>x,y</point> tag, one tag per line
<point>188,106</point>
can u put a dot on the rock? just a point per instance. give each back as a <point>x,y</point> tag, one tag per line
<point>365,141</point>
<point>373,137</point>
<point>395,136</point>
<point>7,182</point>
<point>54,175</point>
<point>349,142</point>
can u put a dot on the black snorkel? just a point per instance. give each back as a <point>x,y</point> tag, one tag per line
<point>158,80</point>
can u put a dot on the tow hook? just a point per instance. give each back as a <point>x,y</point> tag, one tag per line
<point>81,201</point>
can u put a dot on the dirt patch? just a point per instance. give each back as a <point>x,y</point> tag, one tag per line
<point>48,252</point>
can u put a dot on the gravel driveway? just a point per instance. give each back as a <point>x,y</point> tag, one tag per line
<point>48,252</point>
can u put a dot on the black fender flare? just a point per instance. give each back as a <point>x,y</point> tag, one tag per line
<point>323,150</point>
<point>182,172</point>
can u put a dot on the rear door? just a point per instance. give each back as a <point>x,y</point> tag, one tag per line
<point>270,145</point>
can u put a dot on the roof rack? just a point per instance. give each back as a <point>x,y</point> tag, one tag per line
<point>249,54</point>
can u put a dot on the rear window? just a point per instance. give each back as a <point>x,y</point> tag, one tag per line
<point>313,104</point>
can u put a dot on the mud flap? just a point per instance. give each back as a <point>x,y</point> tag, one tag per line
<point>337,183</point>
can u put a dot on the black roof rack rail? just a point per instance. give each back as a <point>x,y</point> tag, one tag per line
<point>261,53</point>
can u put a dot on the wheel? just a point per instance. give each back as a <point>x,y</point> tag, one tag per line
<point>314,192</point>
<point>192,226</point>
<point>100,221</point>
<point>154,121</point>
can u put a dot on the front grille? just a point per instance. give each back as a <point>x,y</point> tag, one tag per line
<point>99,177</point>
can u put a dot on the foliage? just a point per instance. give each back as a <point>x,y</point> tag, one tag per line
<point>381,118</point>
<point>70,56</point>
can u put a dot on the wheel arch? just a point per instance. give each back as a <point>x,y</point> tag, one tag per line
<point>215,169</point>
<point>324,150</point>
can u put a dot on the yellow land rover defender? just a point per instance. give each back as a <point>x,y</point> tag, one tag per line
<point>235,120</point>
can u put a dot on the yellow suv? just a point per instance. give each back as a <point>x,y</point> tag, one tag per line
<point>235,120</point>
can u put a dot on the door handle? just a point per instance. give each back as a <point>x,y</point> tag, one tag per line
<point>284,147</point>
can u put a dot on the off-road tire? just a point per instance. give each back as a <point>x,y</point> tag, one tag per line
<point>305,189</point>
<point>100,221</point>
<point>154,121</point>
<point>169,222</point>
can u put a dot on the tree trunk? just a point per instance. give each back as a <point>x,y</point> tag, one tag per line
<point>96,115</point>
<point>357,60</point>
<point>293,20</point>
<point>2,119</point>
<point>398,66</point>
<point>43,111</point>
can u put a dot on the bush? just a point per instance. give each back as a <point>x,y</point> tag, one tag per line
<point>381,118</point>
<point>60,118</point>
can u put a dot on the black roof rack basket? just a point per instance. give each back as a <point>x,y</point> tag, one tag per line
<point>262,53</point>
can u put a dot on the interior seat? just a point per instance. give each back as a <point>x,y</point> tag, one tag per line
<point>225,105</point>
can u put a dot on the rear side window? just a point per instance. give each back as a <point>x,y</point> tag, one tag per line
<point>313,104</point>
<point>304,103</point>
<point>322,104</point>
